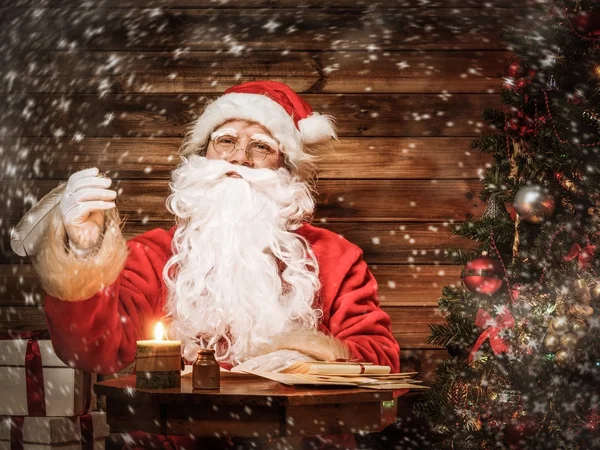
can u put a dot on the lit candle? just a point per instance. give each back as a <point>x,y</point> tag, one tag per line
<point>158,362</point>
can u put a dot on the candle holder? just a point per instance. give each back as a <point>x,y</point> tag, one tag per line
<point>158,363</point>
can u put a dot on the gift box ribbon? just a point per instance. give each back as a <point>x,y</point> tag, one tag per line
<point>86,428</point>
<point>86,425</point>
<point>16,432</point>
<point>34,373</point>
<point>491,329</point>
<point>34,377</point>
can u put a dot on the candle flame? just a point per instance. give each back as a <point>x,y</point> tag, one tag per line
<point>159,331</point>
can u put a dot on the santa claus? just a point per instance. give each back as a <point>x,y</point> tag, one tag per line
<point>242,271</point>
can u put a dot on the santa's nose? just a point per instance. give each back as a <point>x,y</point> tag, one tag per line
<point>239,156</point>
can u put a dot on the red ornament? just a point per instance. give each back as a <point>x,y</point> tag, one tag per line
<point>483,275</point>
<point>518,77</point>
<point>517,431</point>
<point>587,23</point>
<point>522,83</point>
<point>516,69</point>
<point>522,124</point>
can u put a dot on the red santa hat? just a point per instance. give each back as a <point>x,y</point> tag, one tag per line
<point>273,105</point>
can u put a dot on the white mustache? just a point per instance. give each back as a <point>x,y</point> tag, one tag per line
<point>197,174</point>
<point>220,168</point>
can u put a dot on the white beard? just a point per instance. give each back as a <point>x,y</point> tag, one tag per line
<point>225,290</point>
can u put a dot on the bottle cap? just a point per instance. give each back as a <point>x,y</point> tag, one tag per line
<point>206,351</point>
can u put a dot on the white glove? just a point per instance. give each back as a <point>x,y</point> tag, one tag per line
<point>83,208</point>
<point>272,362</point>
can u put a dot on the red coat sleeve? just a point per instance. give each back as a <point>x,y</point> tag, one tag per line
<point>355,316</point>
<point>99,334</point>
<point>349,300</point>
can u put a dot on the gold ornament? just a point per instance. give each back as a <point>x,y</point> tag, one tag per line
<point>568,204</point>
<point>552,342</point>
<point>562,356</point>
<point>581,291</point>
<point>569,185</point>
<point>514,168</point>
<point>568,340</point>
<point>559,325</point>
<point>517,239</point>
<point>596,291</point>
<point>579,327</point>
<point>581,311</point>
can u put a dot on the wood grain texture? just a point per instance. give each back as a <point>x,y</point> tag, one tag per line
<point>410,325</point>
<point>252,391</point>
<point>149,158</point>
<point>382,242</point>
<point>412,285</point>
<point>423,361</point>
<point>338,200</point>
<point>239,30</point>
<point>307,72</point>
<point>327,411</point>
<point>371,115</point>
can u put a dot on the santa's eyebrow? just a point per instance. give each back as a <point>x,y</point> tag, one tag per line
<point>264,138</point>
<point>222,131</point>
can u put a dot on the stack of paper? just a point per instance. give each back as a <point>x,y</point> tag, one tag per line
<point>364,375</point>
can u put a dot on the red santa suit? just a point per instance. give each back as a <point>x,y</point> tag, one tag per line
<point>99,334</point>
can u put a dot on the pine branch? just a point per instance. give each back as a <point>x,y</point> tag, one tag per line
<point>459,256</point>
<point>494,117</point>
<point>489,143</point>
<point>455,333</point>
<point>480,230</point>
<point>512,98</point>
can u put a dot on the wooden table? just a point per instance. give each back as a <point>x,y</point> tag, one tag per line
<point>246,408</point>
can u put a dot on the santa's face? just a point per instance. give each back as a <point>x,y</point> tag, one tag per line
<point>239,273</point>
<point>245,143</point>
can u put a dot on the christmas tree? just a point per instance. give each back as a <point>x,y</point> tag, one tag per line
<point>523,329</point>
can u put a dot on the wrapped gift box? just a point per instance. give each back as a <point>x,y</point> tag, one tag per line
<point>85,432</point>
<point>35,382</point>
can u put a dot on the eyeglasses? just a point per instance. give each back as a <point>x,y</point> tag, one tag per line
<point>255,150</point>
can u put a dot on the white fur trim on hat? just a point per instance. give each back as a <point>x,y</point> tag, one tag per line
<point>252,107</point>
<point>316,128</point>
<point>268,113</point>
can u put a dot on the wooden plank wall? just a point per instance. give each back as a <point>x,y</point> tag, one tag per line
<point>114,86</point>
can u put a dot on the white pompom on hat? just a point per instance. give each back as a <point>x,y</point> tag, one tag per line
<point>274,105</point>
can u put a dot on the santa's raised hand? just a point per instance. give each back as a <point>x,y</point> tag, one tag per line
<point>83,207</point>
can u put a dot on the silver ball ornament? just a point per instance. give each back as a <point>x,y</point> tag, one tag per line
<point>534,204</point>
